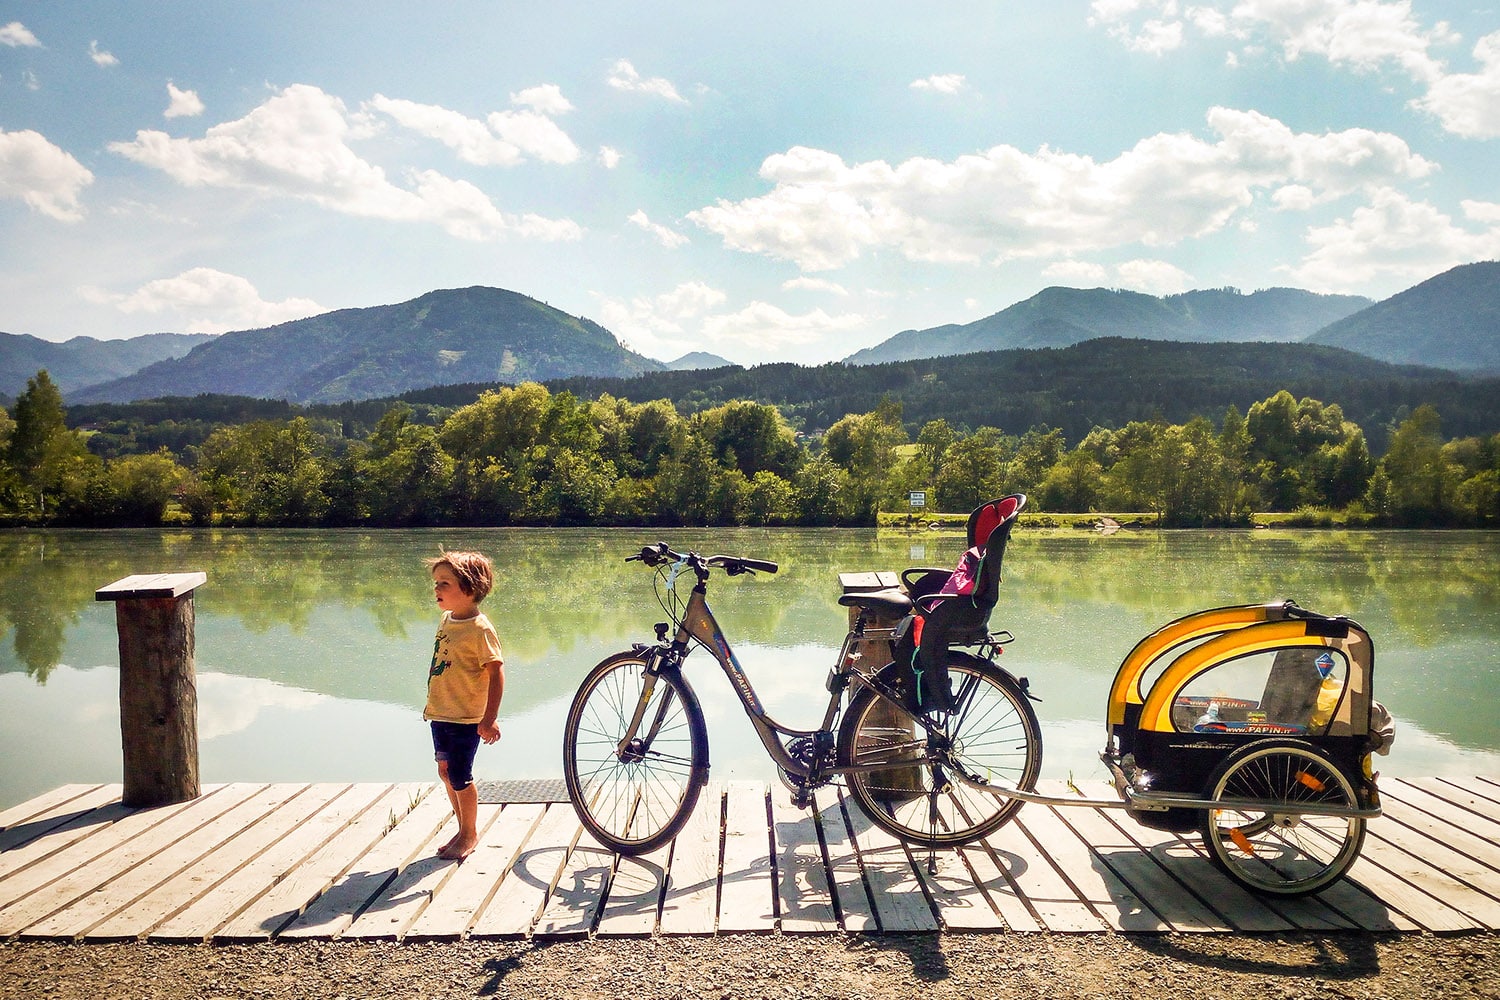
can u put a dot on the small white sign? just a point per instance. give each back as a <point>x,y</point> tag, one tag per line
<point>918,498</point>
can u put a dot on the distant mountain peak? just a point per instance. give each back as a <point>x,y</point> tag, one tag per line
<point>476,334</point>
<point>1059,316</point>
<point>1451,320</point>
<point>698,360</point>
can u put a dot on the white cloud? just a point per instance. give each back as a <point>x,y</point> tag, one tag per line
<point>16,35</point>
<point>609,157</point>
<point>1155,277</point>
<point>547,99</point>
<point>761,325</point>
<point>1003,203</point>
<point>29,80</point>
<point>942,83</point>
<point>214,302</point>
<point>296,145</point>
<point>1468,104</point>
<point>623,76</point>
<point>182,103</point>
<point>42,175</point>
<point>100,57</point>
<point>814,285</point>
<point>504,138</point>
<point>666,237</point>
<point>655,325</point>
<point>1078,273</point>
<point>1361,35</point>
<point>1396,240</point>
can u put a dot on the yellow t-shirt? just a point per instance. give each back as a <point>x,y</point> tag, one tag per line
<point>457,688</point>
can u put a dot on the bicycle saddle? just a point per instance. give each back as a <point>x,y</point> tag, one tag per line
<point>884,602</point>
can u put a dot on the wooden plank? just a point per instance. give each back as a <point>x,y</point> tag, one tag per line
<point>58,882</point>
<point>848,879</point>
<point>458,898</point>
<point>248,867</point>
<point>1478,884</point>
<point>1424,893</point>
<point>1056,904</point>
<point>206,875</point>
<point>1484,787</point>
<point>747,900</point>
<point>1415,793</point>
<point>399,905</point>
<point>998,889</point>
<point>465,894</point>
<point>804,897</point>
<point>316,854</point>
<point>1147,878</point>
<point>635,894</point>
<point>958,897</point>
<point>1479,849</point>
<point>1463,798</point>
<point>413,815</point>
<point>520,896</point>
<point>580,888</point>
<point>1185,858</point>
<point>1105,892</point>
<point>83,807</point>
<point>151,586</point>
<point>48,804</point>
<point>901,904</point>
<point>691,902</point>
<point>132,887</point>
<point>85,824</point>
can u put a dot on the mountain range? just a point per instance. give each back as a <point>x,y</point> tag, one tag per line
<point>489,335</point>
<point>84,361</point>
<point>458,335</point>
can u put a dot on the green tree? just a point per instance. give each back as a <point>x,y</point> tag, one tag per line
<point>1424,484</point>
<point>43,453</point>
<point>974,470</point>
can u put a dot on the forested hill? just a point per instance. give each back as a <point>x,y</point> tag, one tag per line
<point>1107,382</point>
<point>1452,320</point>
<point>1059,317</point>
<point>455,335</point>
<point>84,361</point>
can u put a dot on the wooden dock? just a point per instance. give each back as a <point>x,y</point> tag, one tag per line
<point>292,862</point>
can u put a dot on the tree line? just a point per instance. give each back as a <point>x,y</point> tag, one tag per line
<point>527,455</point>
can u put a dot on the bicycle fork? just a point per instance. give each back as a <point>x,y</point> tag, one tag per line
<point>633,748</point>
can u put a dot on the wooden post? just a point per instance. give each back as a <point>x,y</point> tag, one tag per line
<point>158,686</point>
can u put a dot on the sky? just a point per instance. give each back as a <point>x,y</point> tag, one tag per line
<point>767,182</point>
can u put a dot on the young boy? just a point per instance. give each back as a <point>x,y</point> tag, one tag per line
<point>464,686</point>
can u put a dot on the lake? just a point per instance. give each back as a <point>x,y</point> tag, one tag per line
<point>313,646</point>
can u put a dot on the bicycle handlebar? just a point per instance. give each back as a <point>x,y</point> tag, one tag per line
<point>655,555</point>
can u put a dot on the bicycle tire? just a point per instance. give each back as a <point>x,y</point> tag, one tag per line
<point>1282,852</point>
<point>995,734</point>
<point>637,801</point>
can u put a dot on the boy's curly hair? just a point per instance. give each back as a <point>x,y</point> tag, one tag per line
<point>475,574</point>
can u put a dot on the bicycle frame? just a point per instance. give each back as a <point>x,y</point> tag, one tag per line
<point>698,622</point>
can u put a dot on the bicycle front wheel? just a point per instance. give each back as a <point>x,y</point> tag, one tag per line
<point>634,788</point>
<point>907,780</point>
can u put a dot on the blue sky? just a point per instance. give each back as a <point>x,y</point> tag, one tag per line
<point>769,181</point>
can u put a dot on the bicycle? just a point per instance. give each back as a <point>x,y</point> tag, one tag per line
<point>635,746</point>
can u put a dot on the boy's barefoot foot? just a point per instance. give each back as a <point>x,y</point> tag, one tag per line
<point>445,851</point>
<point>460,849</point>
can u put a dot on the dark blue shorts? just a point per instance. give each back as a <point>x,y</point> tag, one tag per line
<point>456,743</point>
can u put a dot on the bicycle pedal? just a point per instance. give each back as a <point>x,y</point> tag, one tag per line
<point>801,799</point>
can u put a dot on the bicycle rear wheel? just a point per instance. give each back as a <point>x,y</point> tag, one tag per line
<point>910,787</point>
<point>634,795</point>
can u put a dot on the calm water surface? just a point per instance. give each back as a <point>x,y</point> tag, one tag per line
<point>313,647</point>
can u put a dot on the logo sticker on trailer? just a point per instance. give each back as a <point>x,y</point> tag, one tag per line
<point>1324,663</point>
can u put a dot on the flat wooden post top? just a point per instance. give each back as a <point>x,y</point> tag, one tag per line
<point>145,586</point>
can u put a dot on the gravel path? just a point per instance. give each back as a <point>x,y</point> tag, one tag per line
<point>992,966</point>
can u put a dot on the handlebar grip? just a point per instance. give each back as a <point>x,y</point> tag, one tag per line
<point>760,565</point>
